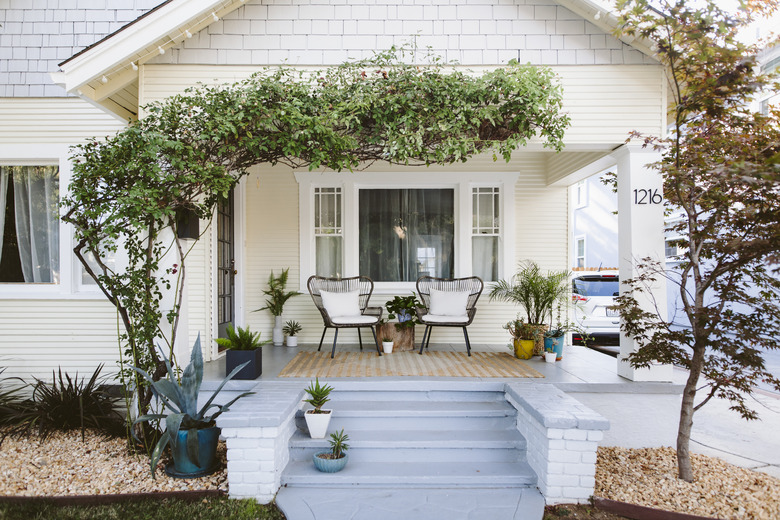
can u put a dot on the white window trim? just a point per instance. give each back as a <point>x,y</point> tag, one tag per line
<point>584,239</point>
<point>351,183</point>
<point>584,191</point>
<point>69,286</point>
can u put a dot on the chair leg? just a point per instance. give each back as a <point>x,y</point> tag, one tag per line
<point>378,350</point>
<point>430,333</point>
<point>425,335</point>
<point>322,338</point>
<point>360,339</point>
<point>335,335</point>
<point>468,344</point>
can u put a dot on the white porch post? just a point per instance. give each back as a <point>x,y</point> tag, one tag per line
<point>640,235</point>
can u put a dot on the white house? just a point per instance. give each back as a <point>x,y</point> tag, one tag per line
<point>114,61</point>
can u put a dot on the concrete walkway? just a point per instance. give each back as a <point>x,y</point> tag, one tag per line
<point>640,414</point>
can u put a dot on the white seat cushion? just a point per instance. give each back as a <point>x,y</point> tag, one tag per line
<point>449,303</point>
<point>341,303</point>
<point>439,318</point>
<point>347,320</point>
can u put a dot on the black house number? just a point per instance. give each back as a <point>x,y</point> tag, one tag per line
<point>647,197</point>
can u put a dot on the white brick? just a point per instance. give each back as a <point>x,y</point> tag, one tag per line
<point>576,41</point>
<point>472,57</point>
<point>323,42</point>
<point>577,492</point>
<point>515,41</point>
<point>582,446</point>
<point>588,457</point>
<point>287,12</point>
<point>278,26</point>
<point>370,27</point>
<point>505,55</point>
<point>258,477</point>
<point>588,482</point>
<point>555,468</point>
<point>554,433</point>
<point>563,456</point>
<point>260,57</point>
<point>234,56</point>
<point>504,12</point>
<point>234,454</point>
<point>227,41</point>
<point>377,12</point>
<point>417,26</point>
<point>552,492</point>
<point>241,490</point>
<point>361,12</point>
<point>570,27</point>
<point>529,27</point>
<point>472,41</point>
<point>489,57</point>
<point>525,12</point>
<point>587,470</point>
<point>549,57</point>
<point>556,444</point>
<point>242,442</point>
<point>243,466</point>
<point>336,27</point>
<point>575,435</point>
<point>563,480</point>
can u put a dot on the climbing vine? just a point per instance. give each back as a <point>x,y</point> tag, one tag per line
<point>191,149</point>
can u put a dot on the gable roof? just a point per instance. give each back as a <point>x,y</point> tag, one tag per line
<point>107,72</point>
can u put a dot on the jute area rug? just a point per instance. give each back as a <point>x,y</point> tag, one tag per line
<point>400,364</point>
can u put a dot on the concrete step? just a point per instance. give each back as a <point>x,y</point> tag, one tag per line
<point>502,445</point>
<point>406,473</point>
<point>421,503</point>
<point>418,415</point>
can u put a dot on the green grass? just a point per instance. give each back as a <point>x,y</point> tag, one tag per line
<point>165,509</point>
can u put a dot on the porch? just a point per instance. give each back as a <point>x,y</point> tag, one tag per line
<point>420,443</point>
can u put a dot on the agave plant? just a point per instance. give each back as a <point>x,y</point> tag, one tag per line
<point>180,399</point>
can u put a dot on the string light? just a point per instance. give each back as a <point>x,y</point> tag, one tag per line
<point>161,50</point>
<point>597,15</point>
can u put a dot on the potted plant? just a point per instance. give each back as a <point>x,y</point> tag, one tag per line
<point>276,298</point>
<point>191,432</point>
<point>387,345</point>
<point>537,293</point>
<point>403,307</point>
<point>291,329</point>
<point>318,419</point>
<point>335,459</point>
<point>243,348</point>
<point>523,336</point>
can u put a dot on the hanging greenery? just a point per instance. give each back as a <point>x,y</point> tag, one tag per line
<point>191,149</point>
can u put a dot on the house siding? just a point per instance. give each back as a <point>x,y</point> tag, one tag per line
<point>471,32</point>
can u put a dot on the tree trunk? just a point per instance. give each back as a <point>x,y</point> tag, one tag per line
<point>684,467</point>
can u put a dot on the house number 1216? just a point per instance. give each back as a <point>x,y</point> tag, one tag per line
<point>647,197</point>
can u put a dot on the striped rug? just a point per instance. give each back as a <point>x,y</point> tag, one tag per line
<point>400,364</point>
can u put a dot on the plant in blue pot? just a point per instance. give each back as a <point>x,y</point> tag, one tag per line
<point>336,458</point>
<point>191,432</point>
<point>404,308</point>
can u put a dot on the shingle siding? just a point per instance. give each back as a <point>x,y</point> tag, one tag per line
<point>37,35</point>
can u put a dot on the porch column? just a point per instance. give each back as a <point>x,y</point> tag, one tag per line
<point>640,235</point>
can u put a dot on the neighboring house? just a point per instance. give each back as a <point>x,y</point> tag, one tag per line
<point>611,87</point>
<point>594,224</point>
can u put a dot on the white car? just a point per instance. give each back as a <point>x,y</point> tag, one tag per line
<point>593,294</point>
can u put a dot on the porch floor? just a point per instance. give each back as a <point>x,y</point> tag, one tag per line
<point>581,369</point>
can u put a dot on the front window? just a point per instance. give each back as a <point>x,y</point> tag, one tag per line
<point>29,222</point>
<point>486,231</point>
<point>406,233</point>
<point>579,257</point>
<point>328,231</point>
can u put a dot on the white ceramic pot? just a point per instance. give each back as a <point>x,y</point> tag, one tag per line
<point>278,334</point>
<point>549,357</point>
<point>292,341</point>
<point>387,347</point>
<point>317,423</point>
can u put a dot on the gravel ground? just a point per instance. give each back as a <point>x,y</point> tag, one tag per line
<point>64,465</point>
<point>648,477</point>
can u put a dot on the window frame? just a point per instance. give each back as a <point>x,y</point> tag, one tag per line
<point>351,183</point>
<point>584,256</point>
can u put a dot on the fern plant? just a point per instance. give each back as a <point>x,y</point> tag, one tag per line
<point>241,339</point>
<point>276,294</point>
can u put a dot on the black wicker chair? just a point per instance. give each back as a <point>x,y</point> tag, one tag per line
<point>357,317</point>
<point>464,293</point>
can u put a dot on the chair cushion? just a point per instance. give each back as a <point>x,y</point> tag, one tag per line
<point>341,303</point>
<point>440,318</point>
<point>449,303</point>
<point>357,319</point>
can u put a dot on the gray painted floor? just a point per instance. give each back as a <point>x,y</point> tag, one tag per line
<point>640,414</point>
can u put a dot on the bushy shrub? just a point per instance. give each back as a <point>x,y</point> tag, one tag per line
<point>66,404</point>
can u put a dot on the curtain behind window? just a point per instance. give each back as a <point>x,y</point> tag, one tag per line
<point>3,194</point>
<point>404,234</point>
<point>36,201</point>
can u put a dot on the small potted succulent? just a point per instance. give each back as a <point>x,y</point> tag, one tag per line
<point>291,330</point>
<point>243,347</point>
<point>387,345</point>
<point>335,459</point>
<point>317,419</point>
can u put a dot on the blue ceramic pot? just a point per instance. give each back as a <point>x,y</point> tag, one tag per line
<point>554,345</point>
<point>184,466</point>
<point>329,465</point>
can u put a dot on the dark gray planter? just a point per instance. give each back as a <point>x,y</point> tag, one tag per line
<point>234,358</point>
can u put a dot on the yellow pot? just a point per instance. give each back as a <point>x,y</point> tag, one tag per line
<point>524,348</point>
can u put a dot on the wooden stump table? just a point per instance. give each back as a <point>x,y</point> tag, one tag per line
<point>403,339</point>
